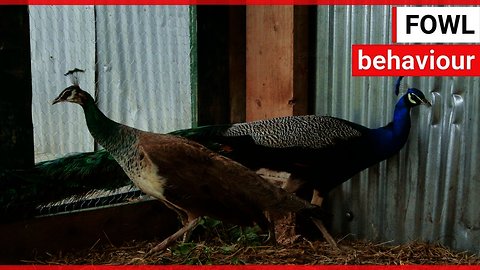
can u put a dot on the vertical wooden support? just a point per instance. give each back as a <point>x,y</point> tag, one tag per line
<point>212,65</point>
<point>16,128</point>
<point>221,64</point>
<point>236,56</point>
<point>277,61</point>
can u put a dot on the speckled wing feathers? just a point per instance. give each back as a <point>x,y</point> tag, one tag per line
<point>297,131</point>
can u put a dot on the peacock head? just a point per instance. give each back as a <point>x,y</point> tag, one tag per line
<point>415,97</point>
<point>73,94</point>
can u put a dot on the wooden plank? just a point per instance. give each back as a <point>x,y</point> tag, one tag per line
<point>237,80</point>
<point>213,72</point>
<point>85,229</point>
<point>16,129</point>
<point>221,64</point>
<point>301,57</point>
<point>276,61</point>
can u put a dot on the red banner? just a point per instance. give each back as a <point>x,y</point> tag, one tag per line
<point>415,60</point>
<point>240,2</point>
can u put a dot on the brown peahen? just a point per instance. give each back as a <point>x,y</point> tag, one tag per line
<point>186,176</point>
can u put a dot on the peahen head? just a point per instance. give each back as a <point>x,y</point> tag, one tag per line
<point>415,97</point>
<point>73,94</point>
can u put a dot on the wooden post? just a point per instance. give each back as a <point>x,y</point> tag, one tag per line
<point>212,95</point>
<point>16,128</point>
<point>221,64</point>
<point>237,68</point>
<point>277,73</point>
<point>277,61</point>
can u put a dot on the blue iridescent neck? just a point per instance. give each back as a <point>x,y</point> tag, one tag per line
<point>401,119</point>
<point>392,137</point>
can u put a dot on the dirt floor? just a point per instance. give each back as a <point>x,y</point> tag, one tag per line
<point>240,252</point>
<point>212,242</point>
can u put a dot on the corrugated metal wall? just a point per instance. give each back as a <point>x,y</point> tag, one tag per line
<point>430,190</point>
<point>144,65</point>
<point>61,38</point>
<point>138,55</point>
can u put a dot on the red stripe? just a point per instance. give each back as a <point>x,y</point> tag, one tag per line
<point>415,60</point>
<point>394,24</point>
<point>240,2</point>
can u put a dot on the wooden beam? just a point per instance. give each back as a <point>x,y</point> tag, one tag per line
<point>236,40</point>
<point>213,65</point>
<point>16,128</point>
<point>114,225</point>
<point>276,61</point>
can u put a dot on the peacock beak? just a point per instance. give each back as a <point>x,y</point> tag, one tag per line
<point>426,102</point>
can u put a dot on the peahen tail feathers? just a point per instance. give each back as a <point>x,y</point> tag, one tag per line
<point>73,175</point>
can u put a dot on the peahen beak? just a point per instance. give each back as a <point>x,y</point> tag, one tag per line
<point>57,100</point>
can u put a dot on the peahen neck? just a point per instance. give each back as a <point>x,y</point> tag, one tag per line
<point>392,137</point>
<point>108,133</point>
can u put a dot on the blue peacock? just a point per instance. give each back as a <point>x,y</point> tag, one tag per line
<point>320,151</point>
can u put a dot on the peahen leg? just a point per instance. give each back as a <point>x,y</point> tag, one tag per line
<point>169,240</point>
<point>266,224</point>
<point>182,215</point>
<point>271,238</point>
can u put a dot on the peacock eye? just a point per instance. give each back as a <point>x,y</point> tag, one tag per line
<point>412,98</point>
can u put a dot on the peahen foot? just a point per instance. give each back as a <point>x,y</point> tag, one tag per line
<point>171,239</point>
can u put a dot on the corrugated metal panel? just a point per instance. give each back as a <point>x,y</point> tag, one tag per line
<point>144,66</point>
<point>61,38</point>
<point>139,55</point>
<point>428,191</point>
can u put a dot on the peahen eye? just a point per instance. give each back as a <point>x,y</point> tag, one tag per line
<point>66,94</point>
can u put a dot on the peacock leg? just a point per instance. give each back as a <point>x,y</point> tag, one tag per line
<point>325,233</point>
<point>292,185</point>
<point>316,198</point>
<point>169,240</point>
